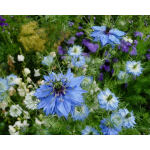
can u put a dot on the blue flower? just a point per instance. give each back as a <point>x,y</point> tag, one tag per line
<point>116,120</point>
<point>47,60</point>
<point>129,119</point>
<point>106,35</point>
<point>108,100</point>
<point>81,112</point>
<point>75,51</point>
<point>11,79</point>
<point>134,68</point>
<point>3,96</point>
<point>123,75</point>
<point>60,94</point>
<point>3,85</point>
<point>79,61</point>
<point>89,131</point>
<point>108,128</point>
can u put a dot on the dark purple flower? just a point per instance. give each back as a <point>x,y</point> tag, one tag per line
<point>70,23</point>
<point>61,51</point>
<point>149,50</point>
<point>101,67</point>
<point>126,85</point>
<point>79,33</point>
<point>124,46</point>
<point>86,54</point>
<point>148,56</point>
<point>2,23</point>
<point>135,42</point>
<point>112,71</point>
<point>115,60</point>
<point>107,68</point>
<point>79,27</point>
<point>100,77</point>
<point>92,47</point>
<point>107,60</point>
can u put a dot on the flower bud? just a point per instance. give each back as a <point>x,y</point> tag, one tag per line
<point>20,58</point>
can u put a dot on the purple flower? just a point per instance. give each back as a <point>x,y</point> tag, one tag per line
<point>2,22</point>
<point>112,71</point>
<point>133,52</point>
<point>101,67</point>
<point>124,46</point>
<point>107,60</point>
<point>86,54</point>
<point>149,50</point>
<point>61,51</point>
<point>136,33</point>
<point>100,77</point>
<point>148,56</point>
<point>70,23</point>
<point>79,27</point>
<point>135,42</point>
<point>71,40</point>
<point>63,57</point>
<point>79,33</point>
<point>115,60</point>
<point>107,68</point>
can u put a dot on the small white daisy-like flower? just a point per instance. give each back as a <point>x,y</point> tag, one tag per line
<point>123,75</point>
<point>18,81</point>
<point>36,72</point>
<point>53,54</point>
<point>75,51</point>
<point>21,91</point>
<point>12,130</point>
<point>3,105</point>
<point>26,71</point>
<point>126,39</point>
<point>38,122</point>
<point>134,67</point>
<point>30,102</point>
<point>15,110</point>
<point>26,115</point>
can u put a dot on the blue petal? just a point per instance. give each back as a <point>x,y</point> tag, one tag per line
<point>117,32</point>
<point>112,38</point>
<point>104,39</point>
<point>76,81</point>
<point>102,28</point>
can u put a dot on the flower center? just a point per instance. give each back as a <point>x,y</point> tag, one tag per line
<point>91,133</point>
<point>78,59</point>
<point>128,115</point>
<point>109,97</point>
<point>75,50</point>
<point>134,66</point>
<point>58,86</point>
<point>109,124</point>
<point>107,30</point>
<point>79,109</point>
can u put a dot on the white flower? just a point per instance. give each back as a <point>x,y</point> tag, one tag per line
<point>21,91</point>
<point>126,39</point>
<point>11,90</point>
<point>29,80</point>
<point>26,115</point>
<point>70,65</point>
<point>53,54</point>
<point>75,51</point>
<point>39,122</point>
<point>12,130</point>
<point>12,58</point>
<point>30,86</point>
<point>18,81</point>
<point>30,103</point>
<point>18,124</point>
<point>36,72</point>
<point>3,105</point>
<point>20,58</point>
<point>26,71</point>
<point>15,110</point>
<point>25,124</point>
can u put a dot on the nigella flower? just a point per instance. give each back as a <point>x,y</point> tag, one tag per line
<point>107,127</point>
<point>116,120</point>
<point>60,94</point>
<point>129,119</point>
<point>79,61</point>
<point>89,131</point>
<point>87,81</point>
<point>107,68</point>
<point>106,35</point>
<point>100,77</point>
<point>47,60</point>
<point>75,51</point>
<point>123,75</point>
<point>3,96</point>
<point>3,85</point>
<point>81,112</point>
<point>134,68</point>
<point>108,100</point>
<point>11,79</point>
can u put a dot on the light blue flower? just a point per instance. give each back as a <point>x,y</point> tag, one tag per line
<point>3,85</point>
<point>108,100</point>
<point>47,60</point>
<point>79,61</point>
<point>107,127</point>
<point>123,75</point>
<point>3,96</point>
<point>60,94</point>
<point>81,112</point>
<point>134,67</point>
<point>89,131</point>
<point>11,79</point>
<point>116,120</point>
<point>129,119</point>
<point>87,81</point>
<point>106,35</point>
<point>75,51</point>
